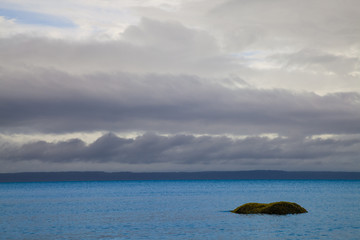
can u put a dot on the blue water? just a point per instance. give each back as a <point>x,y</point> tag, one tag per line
<point>177,210</point>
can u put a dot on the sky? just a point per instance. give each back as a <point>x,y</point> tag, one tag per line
<point>180,85</point>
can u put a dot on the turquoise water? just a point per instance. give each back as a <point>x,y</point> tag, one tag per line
<point>177,210</point>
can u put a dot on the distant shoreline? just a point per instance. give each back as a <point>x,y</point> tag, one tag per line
<point>208,175</point>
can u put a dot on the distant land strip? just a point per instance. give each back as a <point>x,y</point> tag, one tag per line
<point>210,175</point>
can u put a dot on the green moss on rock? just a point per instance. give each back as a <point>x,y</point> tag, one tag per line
<point>278,208</point>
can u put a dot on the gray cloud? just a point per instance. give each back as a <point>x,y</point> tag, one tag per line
<point>323,24</point>
<point>191,150</point>
<point>151,46</point>
<point>172,47</point>
<point>317,61</point>
<point>167,104</point>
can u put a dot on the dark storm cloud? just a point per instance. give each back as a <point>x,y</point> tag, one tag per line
<point>185,149</point>
<point>168,104</point>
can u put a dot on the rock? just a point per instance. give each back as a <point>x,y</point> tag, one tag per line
<point>277,208</point>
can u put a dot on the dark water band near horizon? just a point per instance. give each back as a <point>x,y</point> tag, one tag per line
<point>183,209</point>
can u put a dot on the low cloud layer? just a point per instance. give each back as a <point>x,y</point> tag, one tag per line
<point>147,149</point>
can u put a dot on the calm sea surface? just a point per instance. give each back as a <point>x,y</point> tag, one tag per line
<point>177,210</point>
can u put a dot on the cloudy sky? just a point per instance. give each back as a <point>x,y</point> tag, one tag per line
<point>179,85</point>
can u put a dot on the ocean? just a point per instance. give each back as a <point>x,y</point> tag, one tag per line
<point>196,209</point>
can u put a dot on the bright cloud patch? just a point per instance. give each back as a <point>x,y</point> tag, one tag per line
<point>27,17</point>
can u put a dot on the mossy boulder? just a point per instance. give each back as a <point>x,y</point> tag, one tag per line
<point>277,208</point>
